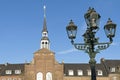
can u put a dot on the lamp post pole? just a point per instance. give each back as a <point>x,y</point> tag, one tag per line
<point>91,44</point>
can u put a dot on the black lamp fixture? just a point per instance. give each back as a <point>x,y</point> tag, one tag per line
<point>91,44</point>
<point>110,29</point>
<point>92,19</point>
<point>71,30</point>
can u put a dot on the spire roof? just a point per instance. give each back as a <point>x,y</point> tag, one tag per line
<point>44,23</point>
<point>45,43</point>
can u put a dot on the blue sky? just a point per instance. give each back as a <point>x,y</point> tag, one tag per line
<point>21,23</point>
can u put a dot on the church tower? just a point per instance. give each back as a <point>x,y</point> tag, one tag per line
<point>44,66</point>
<point>45,43</point>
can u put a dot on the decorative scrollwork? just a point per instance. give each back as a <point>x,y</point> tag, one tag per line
<point>86,47</point>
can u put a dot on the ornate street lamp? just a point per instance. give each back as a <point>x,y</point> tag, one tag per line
<point>110,29</point>
<point>91,44</point>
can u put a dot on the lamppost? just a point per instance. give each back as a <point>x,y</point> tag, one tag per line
<point>91,44</point>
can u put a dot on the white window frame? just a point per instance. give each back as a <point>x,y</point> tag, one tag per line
<point>112,69</point>
<point>17,71</point>
<point>80,72</point>
<point>89,72</point>
<point>100,72</point>
<point>8,72</point>
<point>9,78</point>
<point>39,76</point>
<point>49,76</point>
<point>70,72</point>
<point>14,79</point>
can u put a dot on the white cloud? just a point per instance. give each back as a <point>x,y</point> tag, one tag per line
<point>115,44</point>
<point>75,50</point>
<point>67,51</point>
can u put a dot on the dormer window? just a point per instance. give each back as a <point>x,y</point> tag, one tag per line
<point>70,72</point>
<point>80,72</point>
<point>8,71</point>
<point>17,71</point>
<point>112,69</point>
<point>100,73</point>
<point>89,72</point>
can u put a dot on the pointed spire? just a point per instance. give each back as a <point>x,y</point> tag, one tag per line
<point>45,23</point>
<point>45,43</point>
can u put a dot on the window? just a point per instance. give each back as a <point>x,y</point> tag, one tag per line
<point>42,42</point>
<point>45,42</point>
<point>14,79</point>
<point>70,72</point>
<point>112,69</point>
<point>49,76</point>
<point>45,34</point>
<point>8,71</point>
<point>100,73</point>
<point>80,72</point>
<point>39,76</point>
<point>9,78</point>
<point>89,72</point>
<point>17,71</point>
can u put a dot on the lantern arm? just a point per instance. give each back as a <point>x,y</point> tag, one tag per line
<point>80,46</point>
<point>111,40</point>
<point>86,46</point>
<point>102,46</point>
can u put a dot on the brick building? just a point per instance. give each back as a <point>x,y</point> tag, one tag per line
<point>45,67</point>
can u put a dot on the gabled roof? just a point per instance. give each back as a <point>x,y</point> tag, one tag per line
<point>112,63</point>
<point>83,67</point>
<point>44,50</point>
<point>12,67</point>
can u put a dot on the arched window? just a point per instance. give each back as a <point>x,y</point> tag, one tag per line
<point>45,42</point>
<point>42,42</point>
<point>39,76</point>
<point>49,76</point>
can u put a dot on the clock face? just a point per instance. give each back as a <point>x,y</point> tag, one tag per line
<point>45,34</point>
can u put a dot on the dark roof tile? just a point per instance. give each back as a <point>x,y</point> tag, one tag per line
<point>83,67</point>
<point>13,67</point>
